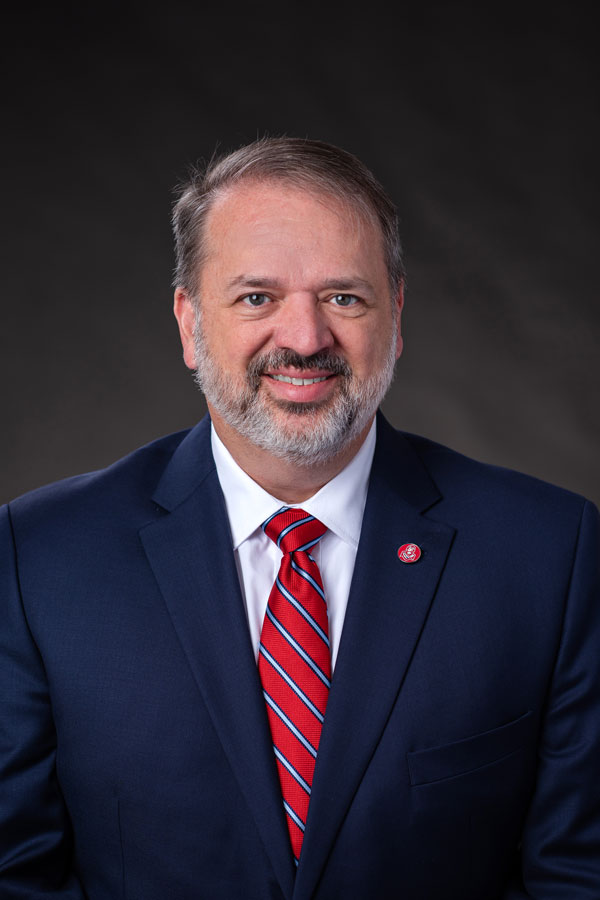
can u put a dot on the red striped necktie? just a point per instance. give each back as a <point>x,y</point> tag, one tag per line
<point>294,662</point>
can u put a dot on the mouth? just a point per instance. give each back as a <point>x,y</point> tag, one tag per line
<point>300,382</point>
<point>299,385</point>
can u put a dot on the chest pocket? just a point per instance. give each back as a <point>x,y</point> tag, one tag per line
<point>470,754</point>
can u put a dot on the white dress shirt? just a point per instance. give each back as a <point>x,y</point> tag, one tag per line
<point>339,505</point>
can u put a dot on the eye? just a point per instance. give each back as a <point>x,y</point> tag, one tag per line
<point>344,300</point>
<point>255,300</point>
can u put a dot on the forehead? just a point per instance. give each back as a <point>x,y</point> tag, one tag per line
<point>275,218</point>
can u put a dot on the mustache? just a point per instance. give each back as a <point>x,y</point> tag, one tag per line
<point>323,360</point>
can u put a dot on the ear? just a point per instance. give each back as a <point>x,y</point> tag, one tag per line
<point>398,311</point>
<point>183,309</point>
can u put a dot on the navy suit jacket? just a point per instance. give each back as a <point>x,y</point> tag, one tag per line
<point>460,755</point>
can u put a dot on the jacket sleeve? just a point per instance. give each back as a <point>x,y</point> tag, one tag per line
<point>35,839</point>
<point>561,836</point>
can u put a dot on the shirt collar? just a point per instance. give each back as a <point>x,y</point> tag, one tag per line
<point>339,504</point>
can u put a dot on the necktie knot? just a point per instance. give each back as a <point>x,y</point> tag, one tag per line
<point>293,529</point>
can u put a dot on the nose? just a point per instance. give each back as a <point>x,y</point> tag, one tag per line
<point>302,325</point>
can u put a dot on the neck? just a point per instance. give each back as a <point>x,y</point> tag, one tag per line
<point>287,481</point>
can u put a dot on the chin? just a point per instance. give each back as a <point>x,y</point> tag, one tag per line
<point>304,434</point>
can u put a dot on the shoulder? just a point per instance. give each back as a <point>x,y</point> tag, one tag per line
<point>508,524</point>
<point>496,500</point>
<point>122,489</point>
<point>459,476</point>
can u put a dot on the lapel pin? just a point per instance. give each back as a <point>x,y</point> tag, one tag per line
<point>409,553</point>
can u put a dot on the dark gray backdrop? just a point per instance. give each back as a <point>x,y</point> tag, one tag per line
<point>482,124</point>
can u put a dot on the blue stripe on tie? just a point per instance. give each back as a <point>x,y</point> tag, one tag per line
<point>295,525</point>
<point>305,547</point>
<point>262,649</point>
<point>266,522</point>
<point>296,818</point>
<point>295,775</point>
<point>299,650</point>
<point>297,605</point>
<point>298,734</point>
<point>308,577</point>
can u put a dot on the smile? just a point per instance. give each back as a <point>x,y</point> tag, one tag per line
<point>300,381</point>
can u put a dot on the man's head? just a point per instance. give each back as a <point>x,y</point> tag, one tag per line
<point>288,298</point>
<point>314,166</point>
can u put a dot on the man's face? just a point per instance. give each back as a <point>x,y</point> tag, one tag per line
<point>295,335</point>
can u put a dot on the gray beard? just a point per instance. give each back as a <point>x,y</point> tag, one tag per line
<point>318,431</point>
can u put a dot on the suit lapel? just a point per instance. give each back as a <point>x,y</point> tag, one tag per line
<point>190,551</point>
<point>387,609</point>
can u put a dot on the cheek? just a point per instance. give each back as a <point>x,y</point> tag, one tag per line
<point>366,354</point>
<point>245,341</point>
<point>234,349</point>
<point>365,341</point>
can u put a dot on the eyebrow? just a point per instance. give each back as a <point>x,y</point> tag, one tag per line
<point>264,281</point>
<point>254,281</point>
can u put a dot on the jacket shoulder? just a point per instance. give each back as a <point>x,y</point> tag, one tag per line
<point>465,482</point>
<point>125,485</point>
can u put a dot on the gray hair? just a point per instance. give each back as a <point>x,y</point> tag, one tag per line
<point>305,164</point>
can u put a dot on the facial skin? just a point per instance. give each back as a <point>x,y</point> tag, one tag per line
<point>294,286</point>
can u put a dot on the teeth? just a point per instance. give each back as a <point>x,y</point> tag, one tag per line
<point>299,381</point>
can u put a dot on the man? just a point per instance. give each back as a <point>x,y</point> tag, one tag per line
<point>293,653</point>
